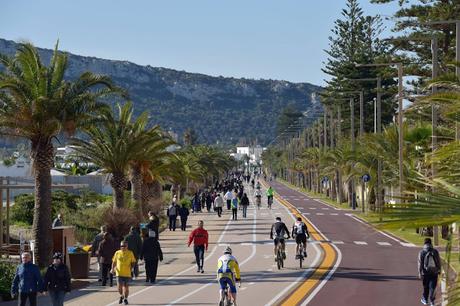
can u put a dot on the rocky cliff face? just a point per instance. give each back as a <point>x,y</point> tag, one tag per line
<point>220,109</point>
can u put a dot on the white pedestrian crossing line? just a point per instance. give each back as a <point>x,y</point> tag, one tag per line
<point>360,242</point>
<point>319,214</point>
<point>383,243</point>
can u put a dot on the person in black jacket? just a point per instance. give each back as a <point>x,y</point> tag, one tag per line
<point>57,280</point>
<point>245,203</point>
<point>153,225</point>
<point>429,267</point>
<point>183,213</point>
<point>151,253</point>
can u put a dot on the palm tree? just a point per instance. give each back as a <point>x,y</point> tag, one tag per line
<point>148,157</point>
<point>37,104</point>
<point>114,143</point>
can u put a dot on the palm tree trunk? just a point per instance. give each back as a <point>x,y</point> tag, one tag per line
<point>136,187</point>
<point>42,157</point>
<point>118,183</point>
<point>339,187</point>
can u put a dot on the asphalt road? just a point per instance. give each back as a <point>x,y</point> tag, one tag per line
<point>375,269</point>
<point>262,282</point>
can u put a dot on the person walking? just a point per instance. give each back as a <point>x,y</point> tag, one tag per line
<point>57,221</point>
<point>153,225</point>
<point>218,204</point>
<point>94,249</point>
<point>196,203</point>
<point>172,213</point>
<point>228,198</point>
<point>27,281</point>
<point>122,263</point>
<point>429,267</point>
<point>199,237</point>
<point>234,205</point>
<point>245,204</point>
<point>134,241</point>
<point>183,213</point>
<point>151,253</point>
<point>57,280</point>
<point>107,249</point>
<point>208,201</point>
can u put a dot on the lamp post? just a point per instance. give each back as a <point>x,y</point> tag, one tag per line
<point>377,130</point>
<point>399,66</point>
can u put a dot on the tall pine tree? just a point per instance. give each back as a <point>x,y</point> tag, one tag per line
<point>355,39</point>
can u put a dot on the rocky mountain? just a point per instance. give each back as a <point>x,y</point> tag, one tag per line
<point>219,109</point>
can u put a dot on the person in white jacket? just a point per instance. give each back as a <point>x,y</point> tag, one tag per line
<point>218,204</point>
<point>228,197</point>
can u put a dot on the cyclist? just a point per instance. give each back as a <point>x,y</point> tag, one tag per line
<point>258,196</point>
<point>301,234</point>
<point>270,196</point>
<point>228,272</point>
<point>277,233</point>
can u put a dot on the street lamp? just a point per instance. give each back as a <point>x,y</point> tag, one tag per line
<point>400,115</point>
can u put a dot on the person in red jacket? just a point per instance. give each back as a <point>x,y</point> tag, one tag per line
<point>199,237</point>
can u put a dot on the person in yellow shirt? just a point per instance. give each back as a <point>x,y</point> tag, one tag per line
<point>122,263</point>
<point>228,272</point>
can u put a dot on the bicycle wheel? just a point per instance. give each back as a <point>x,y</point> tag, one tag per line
<point>300,260</point>
<point>279,258</point>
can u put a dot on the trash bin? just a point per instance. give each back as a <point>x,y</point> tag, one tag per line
<point>79,264</point>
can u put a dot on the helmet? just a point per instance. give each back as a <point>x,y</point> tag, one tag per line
<point>57,255</point>
<point>228,250</point>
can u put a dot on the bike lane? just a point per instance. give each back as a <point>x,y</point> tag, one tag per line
<point>375,269</point>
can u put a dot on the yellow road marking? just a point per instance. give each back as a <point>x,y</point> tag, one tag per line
<point>330,256</point>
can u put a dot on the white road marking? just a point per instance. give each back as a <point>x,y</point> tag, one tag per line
<point>334,214</point>
<point>360,242</point>
<point>319,214</point>
<point>325,208</point>
<point>246,243</point>
<point>253,253</point>
<point>174,276</point>
<point>312,207</point>
<point>307,271</point>
<point>383,233</point>
<point>337,242</point>
<point>408,244</point>
<point>306,213</point>
<point>383,243</point>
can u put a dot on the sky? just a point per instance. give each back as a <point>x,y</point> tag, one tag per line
<point>269,39</point>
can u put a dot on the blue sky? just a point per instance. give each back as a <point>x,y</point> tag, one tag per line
<point>270,39</point>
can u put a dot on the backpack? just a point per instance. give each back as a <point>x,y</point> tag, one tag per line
<point>172,210</point>
<point>429,263</point>
<point>299,228</point>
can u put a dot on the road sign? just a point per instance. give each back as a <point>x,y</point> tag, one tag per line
<point>366,178</point>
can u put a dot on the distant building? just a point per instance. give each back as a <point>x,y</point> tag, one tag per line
<point>254,153</point>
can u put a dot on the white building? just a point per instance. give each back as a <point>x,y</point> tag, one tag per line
<point>254,153</point>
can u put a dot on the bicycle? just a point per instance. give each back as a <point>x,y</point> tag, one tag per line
<point>300,256</point>
<point>270,202</point>
<point>258,202</point>
<point>279,255</point>
<point>226,299</point>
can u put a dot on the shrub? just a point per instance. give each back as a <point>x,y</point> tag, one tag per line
<point>61,202</point>
<point>7,272</point>
<point>187,201</point>
<point>118,222</point>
